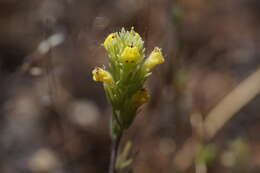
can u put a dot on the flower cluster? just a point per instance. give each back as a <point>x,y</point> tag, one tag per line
<point>124,79</point>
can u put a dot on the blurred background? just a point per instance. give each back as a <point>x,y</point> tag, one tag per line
<point>203,113</point>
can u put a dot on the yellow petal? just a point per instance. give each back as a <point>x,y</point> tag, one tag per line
<point>154,59</point>
<point>109,40</point>
<point>130,54</point>
<point>101,75</point>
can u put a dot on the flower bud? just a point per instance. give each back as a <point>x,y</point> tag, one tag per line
<point>140,97</point>
<point>154,59</point>
<point>130,54</point>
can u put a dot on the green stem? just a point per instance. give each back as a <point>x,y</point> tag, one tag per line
<point>114,151</point>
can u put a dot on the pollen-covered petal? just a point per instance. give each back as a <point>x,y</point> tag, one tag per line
<point>130,54</point>
<point>154,59</point>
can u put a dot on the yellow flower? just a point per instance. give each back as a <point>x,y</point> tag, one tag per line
<point>140,97</point>
<point>130,54</point>
<point>109,39</point>
<point>154,59</point>
<point>101,75</point>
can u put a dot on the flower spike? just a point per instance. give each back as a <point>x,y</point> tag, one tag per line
<point>124,80</point>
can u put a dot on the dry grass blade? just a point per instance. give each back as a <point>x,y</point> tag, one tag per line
<point>219,116</point>
<point>232,103</point>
